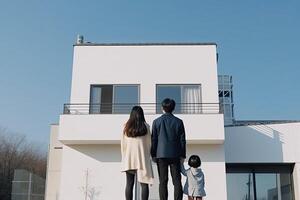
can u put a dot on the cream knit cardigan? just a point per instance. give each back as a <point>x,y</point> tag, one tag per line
<point>136,156</point>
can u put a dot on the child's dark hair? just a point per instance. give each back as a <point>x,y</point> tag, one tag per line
<point>168,105</point>
<point>194,161</point>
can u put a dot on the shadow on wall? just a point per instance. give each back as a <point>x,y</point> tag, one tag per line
<point>112,153</point>
<point>101,153</point>
<point>257,143</point>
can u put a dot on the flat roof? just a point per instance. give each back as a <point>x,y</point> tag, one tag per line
<point>260,122</point>
<point>148,44</point>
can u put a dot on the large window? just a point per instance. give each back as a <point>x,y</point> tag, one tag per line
<point>240,186</point>
<point>187,97</point>
<point>259,182</point>
<point>117,99</point>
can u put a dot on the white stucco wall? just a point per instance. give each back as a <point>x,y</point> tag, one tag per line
<point>296,179</point>
<point>263,143</point>
<point>106,129</point>
<point>103,163</point>
<point>144,65</point>
<point>92,141</point>
<point>53,165</point>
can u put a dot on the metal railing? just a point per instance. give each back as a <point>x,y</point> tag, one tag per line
<point>149,108</point>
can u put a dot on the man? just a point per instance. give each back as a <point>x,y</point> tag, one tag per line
<point>168,148</point>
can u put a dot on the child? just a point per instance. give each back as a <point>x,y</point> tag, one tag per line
<point>194,185</point>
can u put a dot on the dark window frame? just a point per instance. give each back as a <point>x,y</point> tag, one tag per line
<point>158,104</point>
<point>257,168</point>
<point>113,86</point>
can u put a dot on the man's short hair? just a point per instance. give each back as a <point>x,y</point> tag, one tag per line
<point>168,105</point>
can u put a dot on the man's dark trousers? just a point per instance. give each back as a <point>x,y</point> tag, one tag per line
<point>163,165</point>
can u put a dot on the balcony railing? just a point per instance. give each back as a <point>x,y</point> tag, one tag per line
<point>149,108</point>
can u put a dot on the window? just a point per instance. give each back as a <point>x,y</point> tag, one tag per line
<point>273,186</point>
<point>117,99</point>
<point>125,97</point>
<point>225,93</point>
<point>101,99</point>
<point>187,97</point>
<point>240,186</point>
<point>259,181</point>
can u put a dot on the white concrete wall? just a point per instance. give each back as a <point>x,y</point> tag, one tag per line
<point>144,65</point>
<point>272,143</point>
<point>296,179</point>
<point>93,140</point>
<point>103,165</point>
<point>107,129</point>
<point>105,178</point>
<point>53,165</point>
<point>263,143</point>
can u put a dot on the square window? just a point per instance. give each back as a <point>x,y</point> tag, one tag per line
<point>187,97</point>
<point>118,99</point>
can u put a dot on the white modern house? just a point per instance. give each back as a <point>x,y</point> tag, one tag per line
<point>242,160</point>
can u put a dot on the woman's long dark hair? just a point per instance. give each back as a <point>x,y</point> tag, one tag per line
<point>135,125</point>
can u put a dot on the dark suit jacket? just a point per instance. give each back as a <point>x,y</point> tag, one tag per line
<point>168,137</point>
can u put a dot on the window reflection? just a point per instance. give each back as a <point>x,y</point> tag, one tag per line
<point>268,186</point>
<point>173,92</point>
<point>117,99</point>
<point>187,97</point>
<point>125,97</point>
<point>240,186</point>
<point>286,186</point>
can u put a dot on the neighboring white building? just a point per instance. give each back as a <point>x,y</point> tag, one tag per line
<point>84,152</point>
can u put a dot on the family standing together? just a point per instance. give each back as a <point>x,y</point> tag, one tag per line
<point>166,146</point>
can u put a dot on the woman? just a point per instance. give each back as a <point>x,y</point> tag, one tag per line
<point>135,149</point>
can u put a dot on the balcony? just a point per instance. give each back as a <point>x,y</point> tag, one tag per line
<point>103,123</point>
<point>149,108</point>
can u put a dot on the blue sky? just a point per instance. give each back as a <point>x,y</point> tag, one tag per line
<point>258,43</point>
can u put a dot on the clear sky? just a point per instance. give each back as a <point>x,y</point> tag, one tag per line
<point>258,43</point>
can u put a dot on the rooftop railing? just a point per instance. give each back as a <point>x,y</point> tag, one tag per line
<point>149,108</point>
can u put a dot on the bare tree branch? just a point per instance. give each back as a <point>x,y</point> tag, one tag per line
<point>17,153</point>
